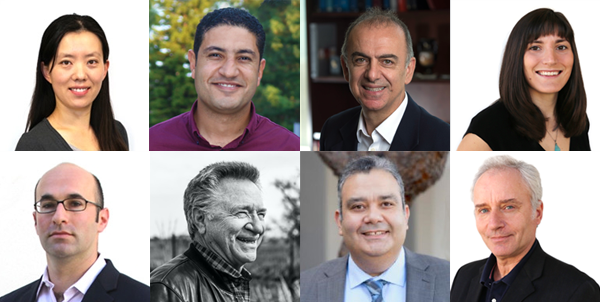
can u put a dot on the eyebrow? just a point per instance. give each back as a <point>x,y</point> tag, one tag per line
<point>67,55</point>
<point>354,200</point>
<point>561,40</point>
<point>219,49</point>
<point>512,200</point>
<point>383,56</point>
<point>51,197</point>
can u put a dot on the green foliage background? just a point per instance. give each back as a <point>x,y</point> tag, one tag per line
<point>172,28</point>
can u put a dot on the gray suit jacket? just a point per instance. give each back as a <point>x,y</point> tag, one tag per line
<point>427,280</point>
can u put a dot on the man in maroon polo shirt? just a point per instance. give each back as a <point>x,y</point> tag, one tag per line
<point>227,66</point>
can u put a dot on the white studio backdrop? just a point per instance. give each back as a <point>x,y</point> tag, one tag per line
<point>479,31</point>
<point>125,181</point>
<point>125,24</point>
<point>568,230</point>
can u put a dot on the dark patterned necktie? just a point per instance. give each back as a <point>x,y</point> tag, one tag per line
<point>375,287</point>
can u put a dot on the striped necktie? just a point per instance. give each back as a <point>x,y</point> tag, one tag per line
<point>375,287</point>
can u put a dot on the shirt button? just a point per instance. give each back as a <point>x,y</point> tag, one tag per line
<point>494,300</point>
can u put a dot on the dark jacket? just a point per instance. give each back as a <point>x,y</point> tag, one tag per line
<point>188,278</point>
<point>418,131</point>
<point>542,278</point>
<point>109,286</point>
<point>43,137</point>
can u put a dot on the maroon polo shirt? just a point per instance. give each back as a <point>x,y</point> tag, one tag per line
<point>181,134</point>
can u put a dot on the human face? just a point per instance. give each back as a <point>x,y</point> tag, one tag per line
<point>373,221</point>
<point>228,69</point>
<point>375,67</point>
<point>65,234</point>
<point>504,216</point>
<point>235,228</point>
<point>77,72</point>
<point>548,62</point>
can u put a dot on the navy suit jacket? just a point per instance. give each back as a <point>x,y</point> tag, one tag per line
<point>110,285</point>
<point>542,278</point>
<point>418,131</point>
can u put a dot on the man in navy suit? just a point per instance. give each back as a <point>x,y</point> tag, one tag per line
<point>378,61</point>
<point>69,215</point>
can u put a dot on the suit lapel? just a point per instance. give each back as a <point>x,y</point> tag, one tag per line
<point>407,134</point>
<point>475,287</point>
<point>333,287</point>
<point>419,283</point>
<point>104,283</point>
<point>348,134</point>
<point>523,284</point>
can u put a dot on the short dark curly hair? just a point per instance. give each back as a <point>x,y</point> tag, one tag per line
<point>233,17</point>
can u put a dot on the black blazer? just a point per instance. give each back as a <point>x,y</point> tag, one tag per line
<point>418,131</point>
<point>542,278</point>
<point>110,285</point>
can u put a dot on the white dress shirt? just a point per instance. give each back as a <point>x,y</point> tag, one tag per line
<point>395,291</point>
<point>76,291</point>
<point>381,138</point>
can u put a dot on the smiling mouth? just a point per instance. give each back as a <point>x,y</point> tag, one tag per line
<point>375,233</point>
<point>549,73</point>
<point>373,88</point>
<point>247,240</point>
<point>227,85</point>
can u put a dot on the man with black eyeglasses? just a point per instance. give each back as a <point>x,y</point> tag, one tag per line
<point>69,215</point>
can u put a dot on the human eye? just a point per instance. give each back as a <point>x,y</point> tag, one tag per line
<point>47,204</point>
<point>245,58</point>
<point>360,61</point>
<point>482,211</point>
<point>262,215</point>
<point>387,204</point>
<point>214,55</point>
<point>64,62</point>
<point>242,214</point>
<point>75,203</point>
<point>357,207</point>
<point>93,62</point>
<point>562,47</point>
<point>534,47</point>
<point>387,62</point>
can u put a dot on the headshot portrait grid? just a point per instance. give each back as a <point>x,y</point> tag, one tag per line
<point>496,220</point>
<point>225,226</point>
<point>546,93</point>
<point>58,86</point>
<point>85,223</point>
<point>380,230</point>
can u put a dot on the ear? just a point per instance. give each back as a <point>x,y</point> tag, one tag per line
<point>410,70</point>
<point>539,213</point>
<point>34,218</point>
<point>406,215</point>
<point>345,70</point>
<point>106,69</point>
<point>261,67</point>
<point>338,220</point>
<point>198,217</point>
<point>192,58</point>
<point>103,219</point>
<point>46,72</point>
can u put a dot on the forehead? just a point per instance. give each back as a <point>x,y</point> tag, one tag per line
<point>81,41</point>
<point>66,179</point>
<point>500,184</point>
<point>384,38</point>
<point>230,38</point>
<point>233,193</point>
<point>375,183</point>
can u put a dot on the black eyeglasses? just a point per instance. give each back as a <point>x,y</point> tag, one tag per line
<point>73,204</point>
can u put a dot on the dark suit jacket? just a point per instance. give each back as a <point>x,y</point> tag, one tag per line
<point>110,285</point>
<point>418,131</point>
<point>427,280</point>
<point>542,278</point>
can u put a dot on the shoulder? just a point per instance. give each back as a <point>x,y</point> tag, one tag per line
<point>286,139</point>
<point>566,274</point>
<point>345,121</point>
<point>25,293</point>
<point>42,137</point>
<point>491,117</point>
<point>164,135</point>
<point>339,119</point>
<point>433,132</point>
<point>313,276</point>
<point>432,263</point>
<point>178,279</point>
<point>132,290</point>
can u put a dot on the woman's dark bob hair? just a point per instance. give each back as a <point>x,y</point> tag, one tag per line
<point>514,90</point>
<point>43,101</point>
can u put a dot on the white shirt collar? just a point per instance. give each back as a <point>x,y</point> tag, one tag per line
<point>76,291</point>
<point>381,138</point>
<point>395,274</point>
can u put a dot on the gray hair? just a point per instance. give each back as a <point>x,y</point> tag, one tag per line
<point>376,16</point>
<point>365,165</point>
<point>529,174</point>
<point>202,189</point>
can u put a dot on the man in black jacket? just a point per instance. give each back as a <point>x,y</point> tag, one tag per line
<point>225,216</point>
<point>69,215</point>
<point>508,208</point>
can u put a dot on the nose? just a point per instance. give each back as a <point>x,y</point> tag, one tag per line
<point>549,57</point>
<point>79,72</point>
<point>496,220</point>
<point>373,215</point>
<point>256,225</point>
<point>229,69</point>
<point>60,215</point>
<point>372,74</point>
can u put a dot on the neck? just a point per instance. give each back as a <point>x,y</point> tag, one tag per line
<point>220,129</point>
<point>374,118</point>
<point>375,266</point>
<point>545,102</point>
<point>64,272</point>
<point>505,265</point>
<point>62,118</point>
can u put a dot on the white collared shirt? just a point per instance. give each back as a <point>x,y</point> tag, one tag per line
<point>356,291</point>
<point>381,138</point>
<point>76,291</point>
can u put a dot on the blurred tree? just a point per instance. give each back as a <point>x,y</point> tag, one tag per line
<point>172,28</point>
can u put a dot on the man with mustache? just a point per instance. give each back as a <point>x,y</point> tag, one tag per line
<point>377,61</point>
<point>227,65</point>
<point>69,215</point>
<point>225,215</point>
<point>507,196</point>
<point>373,218</point>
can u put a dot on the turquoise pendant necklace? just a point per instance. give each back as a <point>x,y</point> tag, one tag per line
<point>556,148</point>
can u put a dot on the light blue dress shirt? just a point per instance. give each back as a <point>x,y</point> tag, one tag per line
<point>395,291</point>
